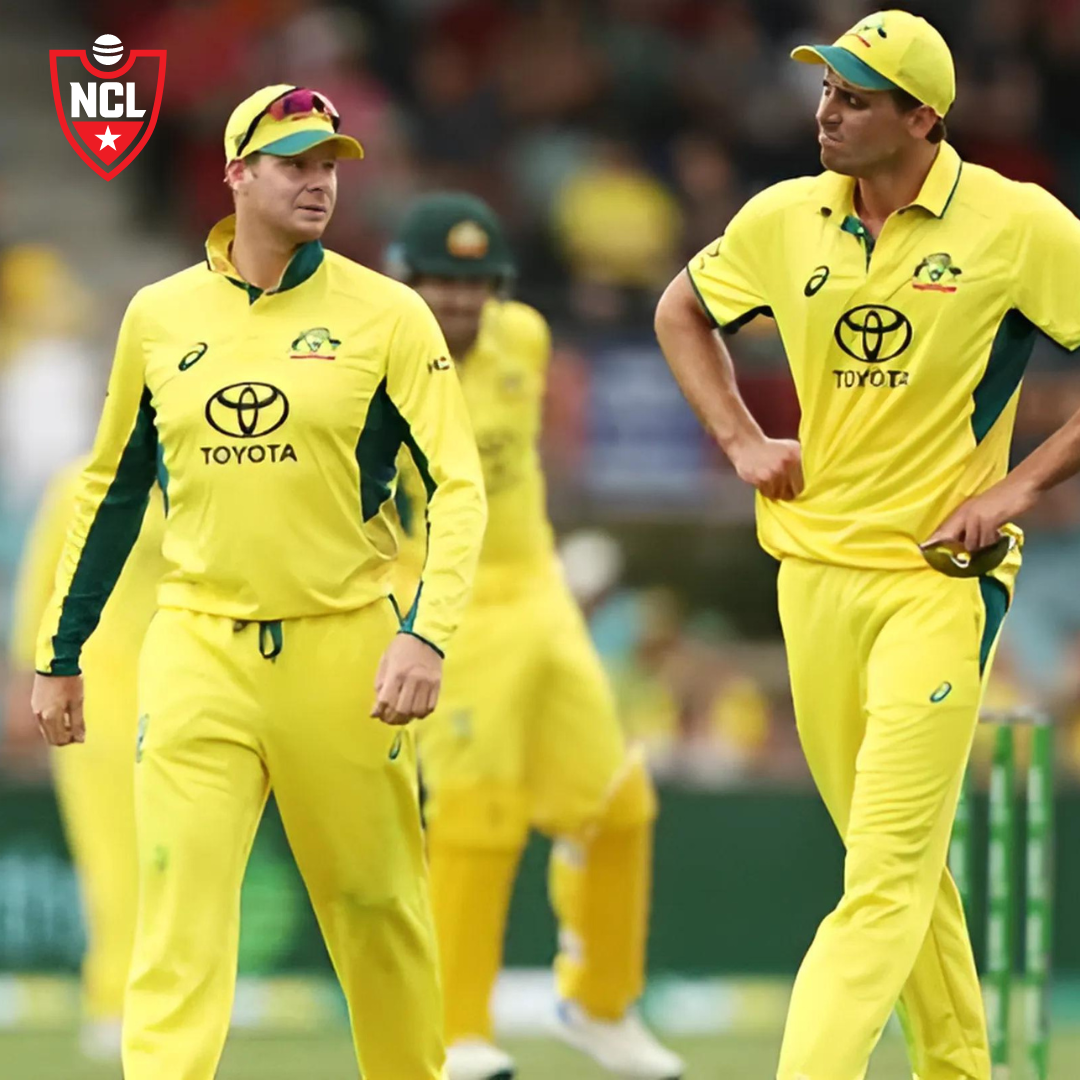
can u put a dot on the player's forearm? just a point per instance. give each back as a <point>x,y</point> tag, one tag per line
<point>113,491</point>
<point>457,516</point>
<point>94,556</point>
<point>703,368</point>
<point>1053,461</point>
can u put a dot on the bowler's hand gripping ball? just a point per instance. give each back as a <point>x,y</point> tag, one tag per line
<point>950,557</point>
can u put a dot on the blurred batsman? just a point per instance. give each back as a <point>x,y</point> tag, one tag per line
<point>95,781</point>
<point>526,732</point>
<point>268,390</point>
<point>908,288</point>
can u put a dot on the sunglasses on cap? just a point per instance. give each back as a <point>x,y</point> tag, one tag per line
<point>299,102</point>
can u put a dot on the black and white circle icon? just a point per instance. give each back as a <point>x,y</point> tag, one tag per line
<point>108,50</point>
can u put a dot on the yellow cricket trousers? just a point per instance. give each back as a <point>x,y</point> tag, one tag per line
<point>526,734</point>
<point>886,671</point>
<point>229,711</point>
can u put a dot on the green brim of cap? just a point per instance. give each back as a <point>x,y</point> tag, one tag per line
<point>446,266</point>
<point>846,64</point>
<point>299,141</point>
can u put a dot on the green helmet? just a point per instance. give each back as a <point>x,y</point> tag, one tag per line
<point>451,234</point>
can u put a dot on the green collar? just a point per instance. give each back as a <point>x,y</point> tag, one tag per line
<point>305,260</point>
<point>941,182</point>
<point>851,224</point>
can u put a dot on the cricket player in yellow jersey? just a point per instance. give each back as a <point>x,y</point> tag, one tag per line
<point>908,287</point>
<point>95,782</point>
<point>526,732</point>
<point>268,391</point>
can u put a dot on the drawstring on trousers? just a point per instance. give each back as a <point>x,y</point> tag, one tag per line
<point>271,641</point>
<point>271,638</point>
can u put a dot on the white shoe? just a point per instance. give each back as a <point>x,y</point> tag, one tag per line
<point>477,1059</point>
<point>99,1040</point>
<point>624,1047</point>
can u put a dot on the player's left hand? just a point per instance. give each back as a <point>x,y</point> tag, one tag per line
<point>407,682</point>
<point>57,705</point>
<point>977,522</point>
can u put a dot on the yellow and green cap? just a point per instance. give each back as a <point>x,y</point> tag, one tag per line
<point>285,120</point>
<point>892,50</point>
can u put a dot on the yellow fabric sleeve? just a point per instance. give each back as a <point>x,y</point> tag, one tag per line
<point>423,387</point>
<point>1047,267</point>
<point>37,567</point>
<point>726,275</point>
<point>532,335</point>
<point>112,495</point>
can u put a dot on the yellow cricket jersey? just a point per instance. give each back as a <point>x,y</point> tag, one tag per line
<point>116,642</point>
<point>503,378</point>
<point>271,421</point>
<point>907,354</point>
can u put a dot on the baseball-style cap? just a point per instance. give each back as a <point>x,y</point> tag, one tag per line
<point>892,50</point>
<point>285,120</point>
<point>451,234</point>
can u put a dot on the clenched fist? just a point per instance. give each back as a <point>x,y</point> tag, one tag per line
<point>773,466</point>
<point>57,704</point>
<point>408,680</point>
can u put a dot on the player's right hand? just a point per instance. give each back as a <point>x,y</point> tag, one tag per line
<point>408,680</point>
<point>773,466</point>
<point>57,704</point>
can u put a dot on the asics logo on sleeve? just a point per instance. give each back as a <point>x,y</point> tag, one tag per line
<point>816,281</point>
<point>941,693</point>
<point>192,357</point>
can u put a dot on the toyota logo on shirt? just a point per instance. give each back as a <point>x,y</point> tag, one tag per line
<point>247,410</point>
<point>873,333</point>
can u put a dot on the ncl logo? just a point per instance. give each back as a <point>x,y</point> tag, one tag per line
<point>107,116</point>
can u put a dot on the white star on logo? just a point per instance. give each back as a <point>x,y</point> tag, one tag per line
<point>108,138</point>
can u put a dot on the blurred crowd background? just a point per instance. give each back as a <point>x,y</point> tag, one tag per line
<point>616,137</point>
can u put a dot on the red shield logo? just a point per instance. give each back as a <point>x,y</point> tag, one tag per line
<point>107,116</point>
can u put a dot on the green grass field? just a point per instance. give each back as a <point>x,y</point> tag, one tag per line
<point>247,1057</point>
